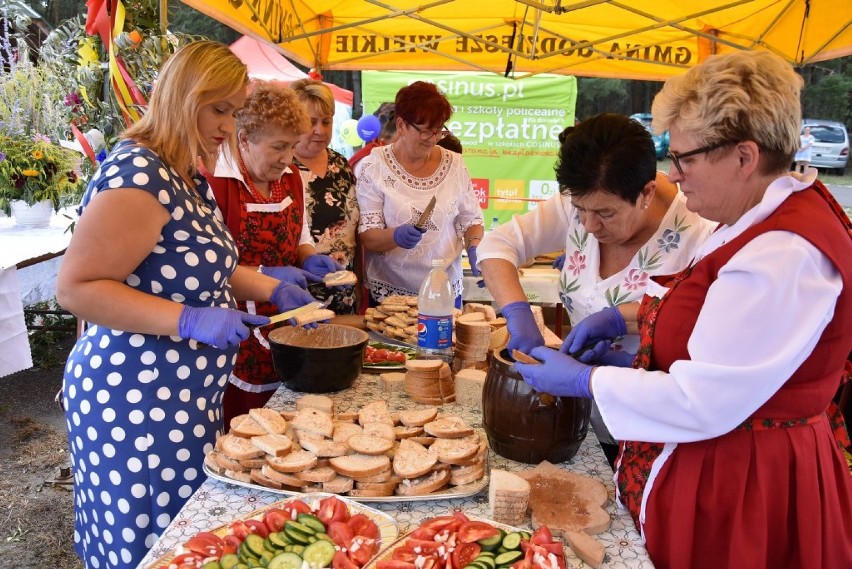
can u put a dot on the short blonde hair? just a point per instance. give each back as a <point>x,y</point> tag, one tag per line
<point>270,103</point>
<point>317,93</point>
<point>745,95</point>
<point>197,74</point>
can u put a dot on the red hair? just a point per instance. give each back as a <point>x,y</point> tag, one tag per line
<point>421,103</point>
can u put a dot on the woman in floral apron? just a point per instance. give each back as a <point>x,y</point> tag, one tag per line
<point>731,455</point>
<point>260,195</point>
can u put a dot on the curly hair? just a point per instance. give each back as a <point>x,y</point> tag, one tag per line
<point>607,152</point>
<point>745,95</point>
<point>272,104</point>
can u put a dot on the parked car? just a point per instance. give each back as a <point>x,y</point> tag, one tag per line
<point>661,141</point>
<point>831,145</point>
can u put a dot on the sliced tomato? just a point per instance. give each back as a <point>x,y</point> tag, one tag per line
<point>464,553</point>
<point>364,526</point>
<point>423,546</point>
<point>206,544</point>
<point>394,564</point>
<point>461,516</point>
<point>275,519</point>
<point>186,561</point>
<point>555,548</point>
<point>440,523</point>
<point>258,527</point>
<point>521,564</point>
<point>296,506</point>
<point>397,357</point>
<point>404,553</point>
<point>474,531</point>
<point>541,535</point>
<point>341,561</point>
<point>424,533</point>
<point>332,509</point>
<point>232,544</point>
<point>340,533</point>
<point>363,551</point>
<point>240,530</point>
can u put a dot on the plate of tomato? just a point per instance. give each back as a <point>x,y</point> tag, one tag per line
<point>379,356</point>
<point>323,530</point>
<point>456,541</point>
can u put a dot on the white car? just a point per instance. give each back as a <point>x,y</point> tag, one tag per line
<point>831,145</point>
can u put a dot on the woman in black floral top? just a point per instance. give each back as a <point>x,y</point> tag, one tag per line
<point>330,204</point>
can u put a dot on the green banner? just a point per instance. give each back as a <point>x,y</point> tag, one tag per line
<point>509,130</point>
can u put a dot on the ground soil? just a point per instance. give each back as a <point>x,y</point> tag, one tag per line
<point>36,505</point>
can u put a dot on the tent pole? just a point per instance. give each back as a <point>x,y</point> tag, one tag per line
<point>164,16</point>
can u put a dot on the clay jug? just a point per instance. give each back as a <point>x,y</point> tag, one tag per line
<point>525,425</point>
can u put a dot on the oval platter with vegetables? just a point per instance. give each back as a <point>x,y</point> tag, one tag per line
<point>458,542</point>
<point>315,531</point>
<point>379,356</point>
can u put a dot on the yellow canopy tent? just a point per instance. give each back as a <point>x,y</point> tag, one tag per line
<point>629,39</point>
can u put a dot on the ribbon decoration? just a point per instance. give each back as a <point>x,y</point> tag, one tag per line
<point>84,143</point>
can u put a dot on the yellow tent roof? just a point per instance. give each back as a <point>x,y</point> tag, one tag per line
<point>630,39</point>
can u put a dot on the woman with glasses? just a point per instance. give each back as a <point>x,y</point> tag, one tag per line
<point>619,221</point>
<point>729,455</point>
<point>394,189</point>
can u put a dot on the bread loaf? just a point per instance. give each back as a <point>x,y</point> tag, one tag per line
<point>587,548</point>
<point>322,403</point>
<point>508,496</point>
<point>469,383</point>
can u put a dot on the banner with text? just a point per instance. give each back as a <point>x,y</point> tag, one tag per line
<point>509,130</point>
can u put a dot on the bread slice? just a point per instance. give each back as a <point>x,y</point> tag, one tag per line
<point>296,461</point>
<point>408,432</point>
<point>508,496</point>
<point>239,448</point>
<point>269,419</point>
<point>211,463</point>
<point>275,445</point>
<point>381,430</point>
<point>449,427</point>
<point>313,421</point>
<point>340,278</point>
<point>418,417</point>
<point>282,477</point>
<point>587,548</point>
<point>338,485</point>
<point>423,485</point>
<point>423,365</point>
<point>375,412</point>
<point>321,474</point>
<point>258,477</point>
<point>348,416</point>
<point>455,451</point>
<point>413,459</point>
<point>318,315</point>
<point>366,444</point>
<point>322,403</point>
<point>321,446</point>
<point>246,426</point>
<point>462,479</point>
<point>342,431</point>
<point>252,463</point>
<point>359,465</point>
<point>380,488</point>
<point>523,358</point>
<point>239,475</point>
<point>383,476</point>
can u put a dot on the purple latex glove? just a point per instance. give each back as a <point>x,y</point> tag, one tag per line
<point>558,374</point>
<point>288,296</point>
<point>603,354</point>
<point>471,256</point>
<point>292,275</point>
<point>320,265</point>
<point>217,326</point>
<point>407,236</point>
<point>523,331</point>
<point>559,262</point>
<point>605,324</point>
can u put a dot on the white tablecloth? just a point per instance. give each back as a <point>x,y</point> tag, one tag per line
<point>540,284</point>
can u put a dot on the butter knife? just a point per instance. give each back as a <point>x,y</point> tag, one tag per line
<point>424,217</point>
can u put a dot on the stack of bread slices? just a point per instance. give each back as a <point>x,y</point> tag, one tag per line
<point>369,453</point>
<point>430,382</point>
<point>395,317</point>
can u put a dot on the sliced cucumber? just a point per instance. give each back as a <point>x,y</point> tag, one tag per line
<point>512,540</point>
<point>286,560</point>
<point>254,544</point>
<point>312,522</point>
<point>229,561</point>
<point>296,536</point>
<point>319,553</point>
<point>487,560</point>
<point>323,535</point>
<point>212,565</point>
<point>493,542</point>
<point>300,527</point>
<point>526,535</point>
<point>279,539</point>
<point>509,557</point>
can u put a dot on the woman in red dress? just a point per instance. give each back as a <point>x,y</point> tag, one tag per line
<point>730,457</point>
<point>260,195</point>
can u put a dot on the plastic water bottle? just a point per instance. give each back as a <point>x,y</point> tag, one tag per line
<point>494,224</point>
<point>435,303</point>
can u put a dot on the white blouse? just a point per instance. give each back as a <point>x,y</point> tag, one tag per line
<point>388,197</point>
<point>760,320</point>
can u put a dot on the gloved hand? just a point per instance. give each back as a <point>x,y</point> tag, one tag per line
<point>216,325</point>
<point>288,296</point>
<point>605,324</point>
<point>523,331</point>
<point>407,236</point>
<point>603,354</point>
<point>320,265</point>
<point>559,262</point>
<point>292,275</point>
<point>471,256</point>
<point>558,374</point>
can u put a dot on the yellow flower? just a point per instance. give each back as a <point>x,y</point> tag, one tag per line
<point>31,173</point>
<point>37,154</point>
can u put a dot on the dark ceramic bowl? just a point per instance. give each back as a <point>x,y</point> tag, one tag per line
<point>318,361</point>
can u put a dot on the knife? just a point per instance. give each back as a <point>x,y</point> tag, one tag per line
<point>310,307</point>
<point>424,217</point>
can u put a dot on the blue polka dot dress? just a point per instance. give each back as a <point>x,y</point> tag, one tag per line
<point>143,410</point>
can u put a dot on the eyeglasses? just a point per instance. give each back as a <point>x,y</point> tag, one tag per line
<point>427,133</point>
<point>676,158</point>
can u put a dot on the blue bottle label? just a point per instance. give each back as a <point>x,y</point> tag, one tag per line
<point>434,332</point>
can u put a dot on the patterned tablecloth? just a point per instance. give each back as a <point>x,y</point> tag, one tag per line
<point>216,503</point>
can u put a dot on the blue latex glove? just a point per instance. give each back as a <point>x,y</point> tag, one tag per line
<point>523,331</point>
<point>217,326</point>
<point>292,275</point>
<point>558,374</point>
<point>320,265</point>
<point>603,354</point>
<point>471,256</point>
<point>407,236</point>
<point>559,262</point>
<point>605,324</point>
<point>288,296</point>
